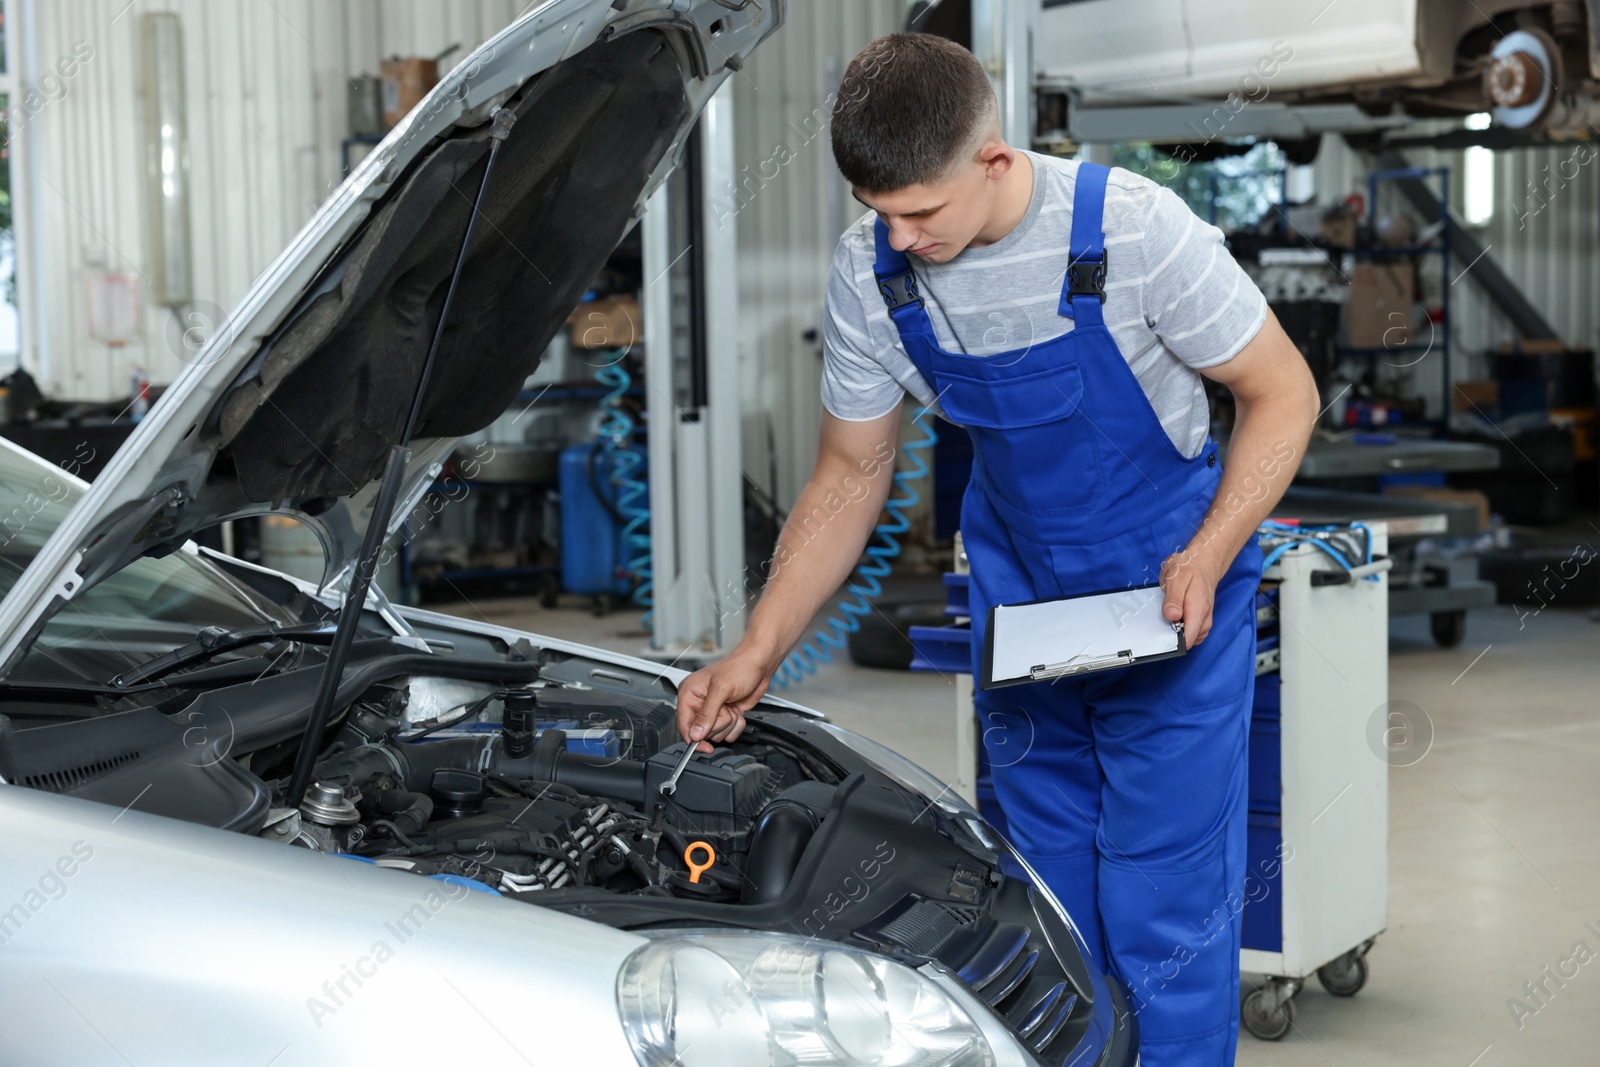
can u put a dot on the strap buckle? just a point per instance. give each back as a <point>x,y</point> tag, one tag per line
<point>1087,277</point>
<point>900,290</point>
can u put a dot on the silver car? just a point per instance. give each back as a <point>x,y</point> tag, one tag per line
<point>490,861</point>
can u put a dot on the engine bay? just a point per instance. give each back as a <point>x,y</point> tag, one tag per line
<point>555,786</point>
<point>528,773</point>
<point>538,776</point>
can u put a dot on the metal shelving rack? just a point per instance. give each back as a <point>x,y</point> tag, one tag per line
<point>1442,249</point>
<point>546,575</point>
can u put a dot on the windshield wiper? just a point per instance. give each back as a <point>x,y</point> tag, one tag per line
<point>214,640</point>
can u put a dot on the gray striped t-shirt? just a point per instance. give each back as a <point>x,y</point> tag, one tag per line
<point>1175,301</point>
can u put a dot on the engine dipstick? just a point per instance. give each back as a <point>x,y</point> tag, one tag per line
<point>697,869</point>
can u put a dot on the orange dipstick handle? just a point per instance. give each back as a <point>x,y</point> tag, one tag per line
<point>697,869</point>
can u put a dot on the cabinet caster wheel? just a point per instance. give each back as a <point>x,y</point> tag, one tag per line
<point>1344,976</point>
<point>1265,1017</point>
<point>1449,628</point>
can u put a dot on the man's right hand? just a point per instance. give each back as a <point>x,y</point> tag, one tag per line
<point>712,701</point>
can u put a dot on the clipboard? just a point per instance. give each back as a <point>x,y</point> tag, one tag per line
<point>1043,640</point>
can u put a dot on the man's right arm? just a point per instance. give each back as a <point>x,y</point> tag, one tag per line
<point>820,545</point>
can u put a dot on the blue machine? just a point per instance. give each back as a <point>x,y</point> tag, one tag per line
<point>595,548</point>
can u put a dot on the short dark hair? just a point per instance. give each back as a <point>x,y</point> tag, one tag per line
<point>908,106</point>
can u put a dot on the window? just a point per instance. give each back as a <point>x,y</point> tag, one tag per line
<point>10,333</point>
<point>1233,192</point>
<point>1477,176</point>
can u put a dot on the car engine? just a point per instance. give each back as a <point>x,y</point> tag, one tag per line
<point>554,786</point>
<point>538,776</point>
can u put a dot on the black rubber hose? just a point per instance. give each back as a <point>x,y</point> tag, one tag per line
<point>592,775</point>
<point>416,763</point>
<point>523,788</point>
<point>596,776</point>
<point>473,709</point>
<point>406,810</point>
<point>779,837</point>
<point>397,834</point>
<point>679,843</point>
<point>639,867</point>
<point>599,777</point>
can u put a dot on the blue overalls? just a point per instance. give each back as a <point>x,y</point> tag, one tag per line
<point>1125,790</point>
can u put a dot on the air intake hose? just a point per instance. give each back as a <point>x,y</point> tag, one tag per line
<point>779,837</point>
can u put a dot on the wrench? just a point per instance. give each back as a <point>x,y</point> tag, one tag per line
<point>670,786</point>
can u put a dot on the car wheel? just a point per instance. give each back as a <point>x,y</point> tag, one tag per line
<point>884,637</point>
<point>1449,627</point>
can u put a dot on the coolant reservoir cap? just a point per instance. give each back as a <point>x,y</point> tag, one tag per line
<point>457,792</point>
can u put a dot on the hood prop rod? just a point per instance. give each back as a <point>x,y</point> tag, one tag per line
<point>383,505</point>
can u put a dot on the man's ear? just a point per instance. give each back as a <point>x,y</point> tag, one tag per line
<point>997,157</point>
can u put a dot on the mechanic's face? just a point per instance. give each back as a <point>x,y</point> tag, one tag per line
<point>935,221</point>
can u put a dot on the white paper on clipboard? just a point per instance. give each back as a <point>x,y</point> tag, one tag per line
<point>1076,635</point>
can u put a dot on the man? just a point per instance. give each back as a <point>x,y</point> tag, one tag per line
<point>1082,392</point>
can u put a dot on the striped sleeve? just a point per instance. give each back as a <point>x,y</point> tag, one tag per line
<point>855,384</point>
<point>1195,297</point>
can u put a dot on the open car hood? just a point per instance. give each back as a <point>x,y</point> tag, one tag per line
<point>296,399</point>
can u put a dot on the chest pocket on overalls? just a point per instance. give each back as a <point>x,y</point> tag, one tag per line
<point>1038,451</point>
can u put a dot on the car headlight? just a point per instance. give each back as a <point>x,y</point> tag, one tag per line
<point>695,999</point>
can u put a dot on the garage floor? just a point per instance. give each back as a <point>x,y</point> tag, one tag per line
<point>1494,869</point>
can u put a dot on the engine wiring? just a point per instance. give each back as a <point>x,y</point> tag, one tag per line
<point>474,708</point>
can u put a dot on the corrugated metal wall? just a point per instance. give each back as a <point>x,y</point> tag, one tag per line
<point>788,228</point>
<point>1547,239</point>
<point>266,85</point>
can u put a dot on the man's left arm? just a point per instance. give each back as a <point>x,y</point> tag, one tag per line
<point>1276,401</point>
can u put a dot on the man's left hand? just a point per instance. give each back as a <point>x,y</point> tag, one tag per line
<point>1189,581</point>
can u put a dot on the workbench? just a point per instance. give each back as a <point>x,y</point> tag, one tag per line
<point>1351,458</point>
<point>1442,590</point>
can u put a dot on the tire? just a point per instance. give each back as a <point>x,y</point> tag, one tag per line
<point>883,639</point>
<point>1264,1019</point>
<point>1449,627</point>
<point>1345,976</point>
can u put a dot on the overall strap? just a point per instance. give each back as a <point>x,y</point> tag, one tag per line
<point>1084,290</point>
<point>897,284</point>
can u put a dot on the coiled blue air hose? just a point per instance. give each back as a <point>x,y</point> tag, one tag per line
<point>1279,537</point>
<point>633,502</point>
<point>834,633</point>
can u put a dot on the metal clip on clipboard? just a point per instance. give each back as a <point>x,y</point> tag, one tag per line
<point>1045,671</point>
<point>1100,631</point>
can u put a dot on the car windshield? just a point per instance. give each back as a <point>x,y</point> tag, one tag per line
<point>142,611</point>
